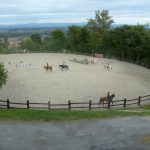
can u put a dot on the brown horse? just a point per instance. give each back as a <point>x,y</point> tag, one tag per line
<point>48,67</point>
<point>109,98</point>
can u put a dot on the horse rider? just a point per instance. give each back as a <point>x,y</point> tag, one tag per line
<point>108,94</point>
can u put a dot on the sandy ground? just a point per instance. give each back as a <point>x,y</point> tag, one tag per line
<point>129,133</point>
<point>81,83</point>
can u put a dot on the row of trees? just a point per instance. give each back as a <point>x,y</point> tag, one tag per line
<point>77,39</point>
<point>131,43</point>
<point>85,39</point>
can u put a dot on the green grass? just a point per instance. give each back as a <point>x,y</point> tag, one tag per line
<point>146,107</point>
<point>43,115</point>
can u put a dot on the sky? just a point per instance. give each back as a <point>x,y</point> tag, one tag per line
<point>72,11</point>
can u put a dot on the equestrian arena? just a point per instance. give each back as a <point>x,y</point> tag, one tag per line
<point>29,80</point>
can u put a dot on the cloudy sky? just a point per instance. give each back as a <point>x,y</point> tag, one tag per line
<point>60,11</point>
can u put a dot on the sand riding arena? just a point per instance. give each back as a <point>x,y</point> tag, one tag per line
<point>29,80</point>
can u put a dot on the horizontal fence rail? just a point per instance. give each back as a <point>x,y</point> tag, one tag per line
<point>75,105</point>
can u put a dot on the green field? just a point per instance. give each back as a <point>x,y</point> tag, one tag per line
<point>61,115</point>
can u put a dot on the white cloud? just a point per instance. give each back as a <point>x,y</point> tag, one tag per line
<point>127,11</point>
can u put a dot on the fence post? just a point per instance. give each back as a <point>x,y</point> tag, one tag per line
<point>69,105</point>
<point>90,104</point>
<point>28,104</point>
<point>49,105</point>
<point>139,101</point>
<point>125,101</point>
<point>8,106</point>
<point>109,104</point>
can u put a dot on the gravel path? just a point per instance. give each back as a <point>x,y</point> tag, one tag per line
<point>106,134</point>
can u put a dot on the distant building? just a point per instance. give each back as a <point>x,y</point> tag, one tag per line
<point>14,42</point>
<point>98,55</point>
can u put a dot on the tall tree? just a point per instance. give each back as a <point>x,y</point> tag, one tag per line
<point>84,39</point>
<point>102,21</point>
<point>73,38</point>
<point>58,40</point>
<point>98,27</point>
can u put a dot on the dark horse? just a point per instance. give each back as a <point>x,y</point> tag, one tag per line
<point>47,67</point>
<point>108,98</point>
<point>64,67</point>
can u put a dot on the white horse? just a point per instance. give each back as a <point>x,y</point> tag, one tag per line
<point>107,66</point>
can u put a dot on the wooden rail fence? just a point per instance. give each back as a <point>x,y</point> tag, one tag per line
<point>75,105</point>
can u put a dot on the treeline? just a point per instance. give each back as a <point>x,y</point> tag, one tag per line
<point>129,43</point>
<point>77,39</point>
<point>126,42</point>
<point>86,39</point>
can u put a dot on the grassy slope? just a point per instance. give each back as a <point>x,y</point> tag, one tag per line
<point>42,115</point>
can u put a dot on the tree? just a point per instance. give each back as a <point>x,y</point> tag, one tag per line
<point>36,38</point>
<point>3,75</point>
<point>128,42</point>
<point>102,21</point>
<point>58,40</point>
<point>46,44</point>
<point>84,38</point>
<point>73,38</point>
<point>94,43</point>
<point>29,44</point>
<point>98,27</point>
<point>78,39</point>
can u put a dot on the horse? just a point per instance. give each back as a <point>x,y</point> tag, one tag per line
<point>108,98</point>
<point>107,66</point>
<point>64,67</point>
<point>48,67</point>
<point>93,61</point>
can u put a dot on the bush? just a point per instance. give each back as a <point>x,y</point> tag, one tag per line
<point>3,75</point>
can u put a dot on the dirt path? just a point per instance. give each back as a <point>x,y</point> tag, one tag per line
<point>108,134</point>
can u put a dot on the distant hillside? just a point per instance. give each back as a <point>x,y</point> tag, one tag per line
<point>5,33</point>
<point>39,25</point>
<point>47,25</point>
<point>24,30</point>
